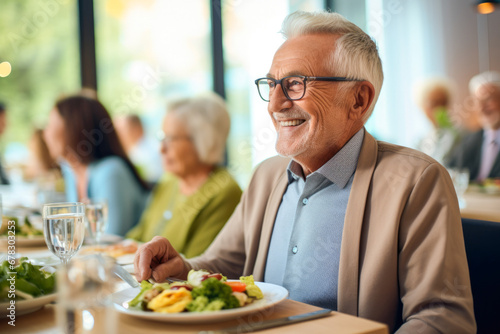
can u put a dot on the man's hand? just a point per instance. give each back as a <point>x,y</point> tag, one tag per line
<point>158,259</point>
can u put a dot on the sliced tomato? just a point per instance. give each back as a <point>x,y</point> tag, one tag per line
<point>237,286</point>
<point>217,276</point>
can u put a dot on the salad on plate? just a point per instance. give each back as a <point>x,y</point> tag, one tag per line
<point>202,292</point>
<point>31,281</point>
<point>25,229</point>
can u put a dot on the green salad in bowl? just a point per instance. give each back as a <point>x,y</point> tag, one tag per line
<point>30,281</point>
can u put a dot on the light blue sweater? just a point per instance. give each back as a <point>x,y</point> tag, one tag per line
<point>111,179</point>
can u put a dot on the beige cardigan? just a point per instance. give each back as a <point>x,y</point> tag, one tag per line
<point>402,240</point>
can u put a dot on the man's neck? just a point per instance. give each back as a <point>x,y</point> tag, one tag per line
<point>311,164</point>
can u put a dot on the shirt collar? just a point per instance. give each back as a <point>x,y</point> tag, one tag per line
<point>492,135</point>
<point>339,168</point>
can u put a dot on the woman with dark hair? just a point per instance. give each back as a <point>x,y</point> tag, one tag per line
<point>81,135</point>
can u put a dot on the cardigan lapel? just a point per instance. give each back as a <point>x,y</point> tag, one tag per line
<point>474,155</point>
<point>495,170</point>
<point>348,285</point>
<point>268,224</point>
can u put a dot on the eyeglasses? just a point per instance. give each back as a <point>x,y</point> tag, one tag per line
<point>294,87</point>
<point>166,140</point>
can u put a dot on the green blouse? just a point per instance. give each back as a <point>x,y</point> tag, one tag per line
<point>190,223</point>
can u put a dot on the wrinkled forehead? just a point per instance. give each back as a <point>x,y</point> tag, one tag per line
<point>304,53</point>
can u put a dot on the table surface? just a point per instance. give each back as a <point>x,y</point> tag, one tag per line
<point>44,320</point>
<point>481,206</point>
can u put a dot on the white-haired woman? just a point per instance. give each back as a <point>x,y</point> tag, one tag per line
<point>196,196</point>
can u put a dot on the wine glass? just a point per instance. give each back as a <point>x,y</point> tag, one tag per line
<point>460,178</point>
<point>97,219</point>
<point>64,228</point>
<point>84,303</point>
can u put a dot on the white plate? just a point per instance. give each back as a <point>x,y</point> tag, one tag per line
<point>124,259</point>
<point>492,190</point>
<point>273,294</point>
<point>28,306</point>
<point>33,241</point>
<point>40,258</point>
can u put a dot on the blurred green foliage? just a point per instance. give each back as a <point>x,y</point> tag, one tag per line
<point>40,40</point>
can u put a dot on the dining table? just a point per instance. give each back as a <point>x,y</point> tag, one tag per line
<point>480,205</point>
<point>44,319</point>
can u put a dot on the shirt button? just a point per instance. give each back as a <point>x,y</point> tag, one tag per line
<point>305,201</point>
<point>295,249</point>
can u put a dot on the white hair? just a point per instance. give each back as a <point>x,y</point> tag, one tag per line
<point>490,77</point>
<point>356,55</point>
<point>207,122</point>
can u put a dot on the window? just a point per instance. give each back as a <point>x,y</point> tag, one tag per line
<point>251,37</point>
<point>39,40</point>
<point>149,52</point>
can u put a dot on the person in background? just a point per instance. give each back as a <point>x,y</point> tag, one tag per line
<point>3,124</point>
<point>40,162</point>
<point>196,196</point>
<point>479,151</point>
<point>81,135</point>
<point>342,221</point>
<point>41,167</point>
<point>142,151</point>
<point>434,96</point>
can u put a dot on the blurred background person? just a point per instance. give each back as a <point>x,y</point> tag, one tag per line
<point>43,171</point>
<point>142,150</point>
<point>196,196</point>
<point>3,125</point>
<point>40,163</point>
<point>94,164</point>
<point>479,151</point>
<point>434,96</point>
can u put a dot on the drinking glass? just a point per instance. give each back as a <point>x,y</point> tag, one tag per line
<point>460,178</point>
<point>64,228</point>
<point>97,219</point>
<point>84,301</point>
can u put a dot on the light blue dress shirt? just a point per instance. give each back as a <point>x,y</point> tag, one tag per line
<point>111,179</point>
<point>304,251</point>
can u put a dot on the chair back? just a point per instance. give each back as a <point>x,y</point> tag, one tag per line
<point>482,244</point>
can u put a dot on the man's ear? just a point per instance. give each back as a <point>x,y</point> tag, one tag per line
<point>364,92</point>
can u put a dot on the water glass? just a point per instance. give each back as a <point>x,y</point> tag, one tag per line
<point>97,219</point>
<point>460,178</point>
<point>84,301</point>
<point>64,228</point>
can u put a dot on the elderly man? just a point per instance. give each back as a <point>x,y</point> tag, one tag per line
<point>479,152</point>
<point>341,220</point>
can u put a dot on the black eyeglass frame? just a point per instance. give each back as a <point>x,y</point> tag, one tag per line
<point>305,78</point>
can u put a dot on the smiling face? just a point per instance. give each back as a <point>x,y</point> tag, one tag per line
<point>310,130</point>
<point>487,98</point>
